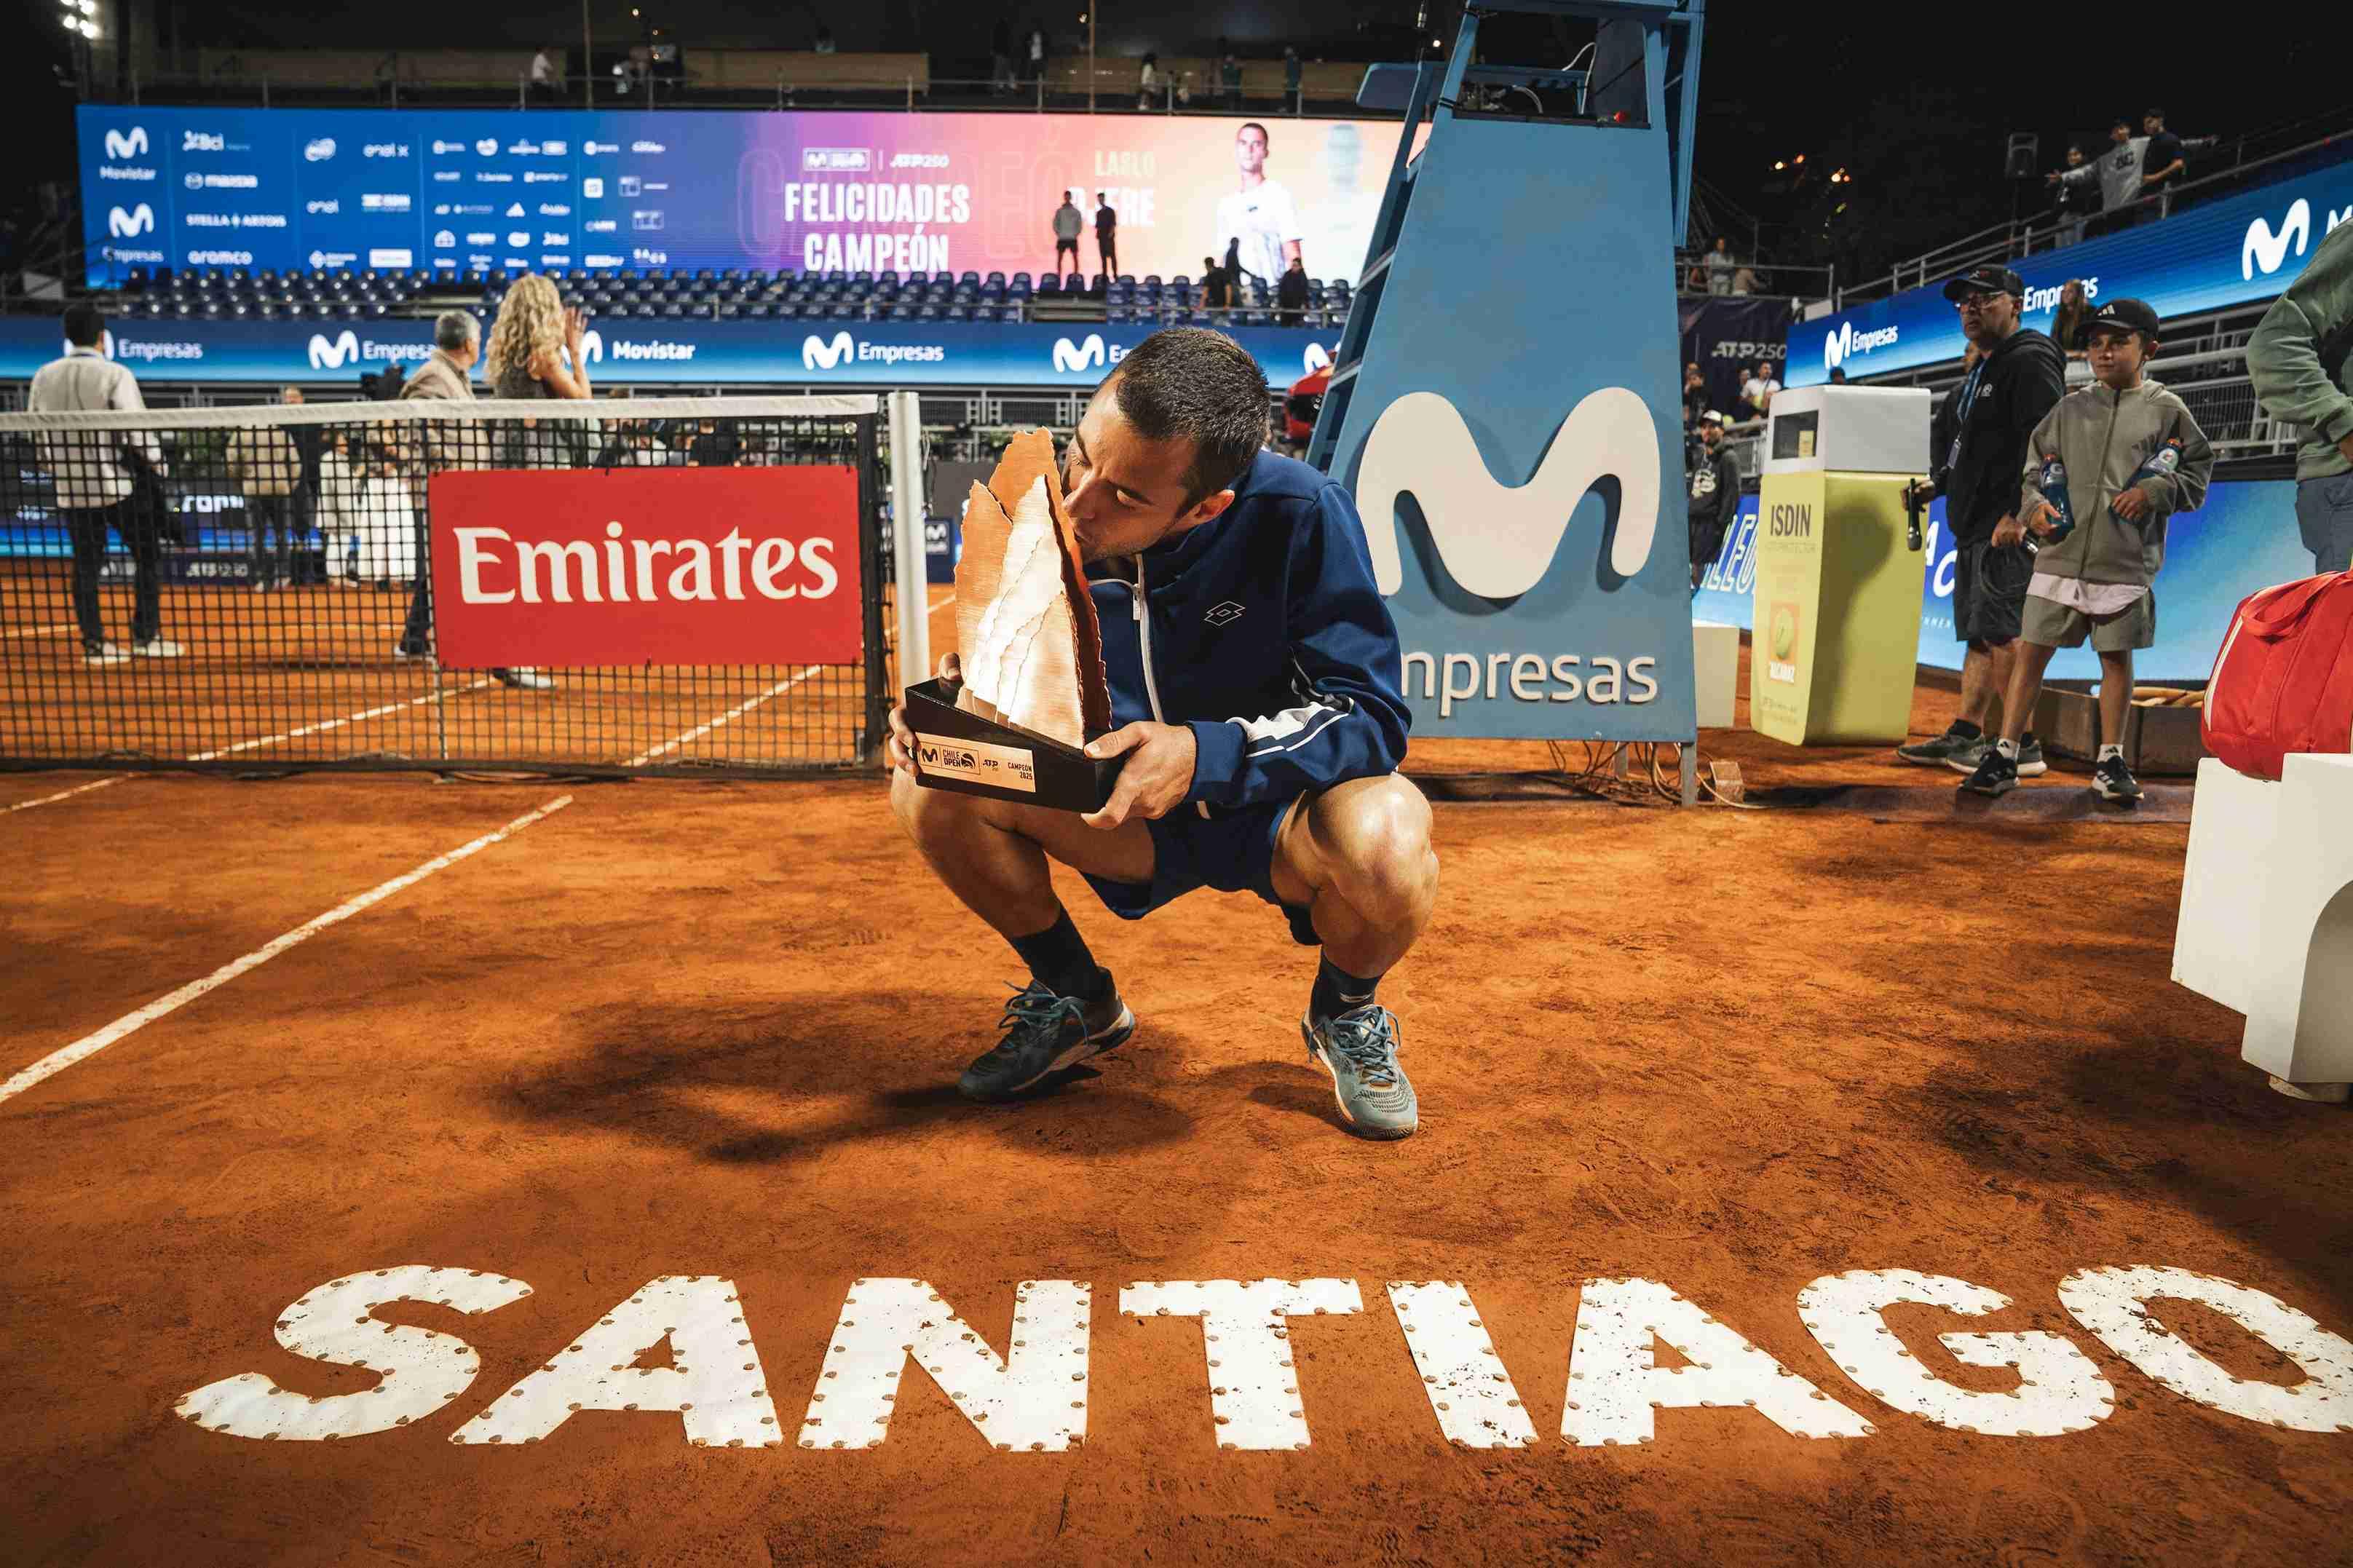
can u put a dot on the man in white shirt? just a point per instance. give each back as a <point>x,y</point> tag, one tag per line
<point>1758,391</point>
<point>543,75</point>
<point>95,493</point>
<point>1260,220</point>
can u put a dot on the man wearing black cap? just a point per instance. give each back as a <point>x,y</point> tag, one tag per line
<point>1715,495</point>
<point>2020,373</point>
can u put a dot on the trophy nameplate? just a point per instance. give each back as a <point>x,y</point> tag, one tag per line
<point>1033,690</point>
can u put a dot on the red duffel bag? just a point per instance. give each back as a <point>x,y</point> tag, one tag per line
<point>2284,680</point>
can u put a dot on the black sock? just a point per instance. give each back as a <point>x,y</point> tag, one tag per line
<point>1058,956</point>
<point>1337,991</point>
<point>1967,730</point>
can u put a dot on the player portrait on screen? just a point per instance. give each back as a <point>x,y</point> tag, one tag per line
<point>1259,221</point>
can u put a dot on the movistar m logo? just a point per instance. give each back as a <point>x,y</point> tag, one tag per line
<point>1498,541</point>
<point>1846,342</point>
<point>131,143</point>
<point>333,354</point>
<point>592,346</point>
<point>818,354</point>
<point>139,220</point>
<point>2266,252</point>
<point>1085,354</point>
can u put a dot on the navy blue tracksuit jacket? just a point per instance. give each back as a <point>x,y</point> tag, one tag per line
<point>1264,632</point>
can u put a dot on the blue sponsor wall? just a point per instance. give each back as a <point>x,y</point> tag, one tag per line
<point>670,352</point>
<point>2231,252</point>
<point>2242,540</point>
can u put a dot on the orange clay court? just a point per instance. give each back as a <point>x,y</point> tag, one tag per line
<point>425,1150</point>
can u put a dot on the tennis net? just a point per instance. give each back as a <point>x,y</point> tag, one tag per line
<point>254,590</point>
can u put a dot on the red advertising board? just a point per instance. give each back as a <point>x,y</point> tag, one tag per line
<point>623,566</point>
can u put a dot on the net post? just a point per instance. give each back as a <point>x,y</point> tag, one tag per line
<point>907,538</point>
<point>870,530</point>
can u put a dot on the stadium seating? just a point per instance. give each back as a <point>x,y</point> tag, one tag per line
<point>731,293</point>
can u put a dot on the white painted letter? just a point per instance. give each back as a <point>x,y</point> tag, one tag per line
<point>769,559</point>
<point>2058,1390</point>
<point>690,578</point>
<point>1033,1400</point>
<point>418,1370</point>
<point>1527,667</point>
<point>1254,1398</point>
<point>1448,695</point>
<point>813,556</point>
<point>471,559</point>
<point>731,558</point>
<point>1477,1406</point>
<point>714,1380</point>
<point>1615,1389</point>
<point>2113,1304</point>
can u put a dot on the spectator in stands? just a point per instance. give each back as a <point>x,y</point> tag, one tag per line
<point>261,460</point>
<point>1837,376</point>
<point>1720,267</point>
<point>531,342</point>
<point>2297,360</point>
<point>1744,279</point>
<point>1695,396</point>
<point>2117,172</point>
<point>1229,81</point>
<point>2067,330</point>
<point>2018,376</point>
<point>2161,161</point>
<point>309,443</point>
<point>543,83</point>
<point>1756,392</point>
<point>1217,286</point>
<point>1106,235</point>
<point>1292,72</point>
<point>95,474</point>
<point>2072,200</point>
<point>2099,581</point>
<point>1148,84</point>
<point>1033,52</point>
<point>1291,294</point>
<point>825,44</point>
<point>1000,56</point>
<point>1067,223</point>
<point>1185,90</point>
<point>1715,495</point>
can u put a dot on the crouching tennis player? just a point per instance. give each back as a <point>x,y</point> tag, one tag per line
<point>1255,678</point>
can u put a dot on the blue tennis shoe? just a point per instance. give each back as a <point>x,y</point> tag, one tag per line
<point>1359,1049</point>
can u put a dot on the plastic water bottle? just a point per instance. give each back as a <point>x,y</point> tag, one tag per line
<point>2165,462</point>
<point>2054,490</point>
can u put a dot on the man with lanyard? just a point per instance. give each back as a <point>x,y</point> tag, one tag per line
<point>2020,373</point>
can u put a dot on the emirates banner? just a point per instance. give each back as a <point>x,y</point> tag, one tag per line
<point>632,566</point>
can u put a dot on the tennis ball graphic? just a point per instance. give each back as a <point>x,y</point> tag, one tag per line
<point>1785,631</point>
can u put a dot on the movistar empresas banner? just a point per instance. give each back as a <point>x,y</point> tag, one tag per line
<point>2229,252</point>
<point>667,351</point>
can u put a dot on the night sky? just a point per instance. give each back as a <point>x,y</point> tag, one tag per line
<point>1914,102</point>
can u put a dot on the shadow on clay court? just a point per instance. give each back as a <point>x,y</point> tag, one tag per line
<point>770,1086</point>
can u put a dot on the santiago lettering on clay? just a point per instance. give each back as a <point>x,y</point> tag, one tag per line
<point>1035,1397</point>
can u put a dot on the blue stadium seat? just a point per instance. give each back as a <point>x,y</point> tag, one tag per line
<point>759,310</point>
<point>730,309</point>
<point>673,309</point>
<point>995,281</point>
<point>889,275</point>
<point>787,311</point>
<point>968,280</point>
<point>984,312</point>
<point>902,312</point>
<point>842,311</point>
<point>959,313</point>
<point>927,312</point>
<point>1049,284</point>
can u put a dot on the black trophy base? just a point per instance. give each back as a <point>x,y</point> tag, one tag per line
<point>960,751</point>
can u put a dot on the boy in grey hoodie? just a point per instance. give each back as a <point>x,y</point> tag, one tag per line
<point>2132,457</point>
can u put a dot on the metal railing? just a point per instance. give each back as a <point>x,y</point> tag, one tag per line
<point>1113,91</point>
<point>2004,242</point>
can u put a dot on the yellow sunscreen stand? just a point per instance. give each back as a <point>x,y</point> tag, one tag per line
<point>1837,636</point>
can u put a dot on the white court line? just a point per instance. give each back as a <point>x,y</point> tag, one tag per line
<point>778,689</point>
<point>56,1061</point>
<point>675,742</point>
<point>337,724</point>
<point>78,789</point>
<point>38,631</point>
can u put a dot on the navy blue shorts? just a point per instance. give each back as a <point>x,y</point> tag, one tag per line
<point>1232,851</point>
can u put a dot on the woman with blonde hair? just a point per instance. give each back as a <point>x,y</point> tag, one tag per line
<point>534,330</point>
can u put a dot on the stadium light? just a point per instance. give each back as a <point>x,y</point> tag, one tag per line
<point>1780,164</point>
